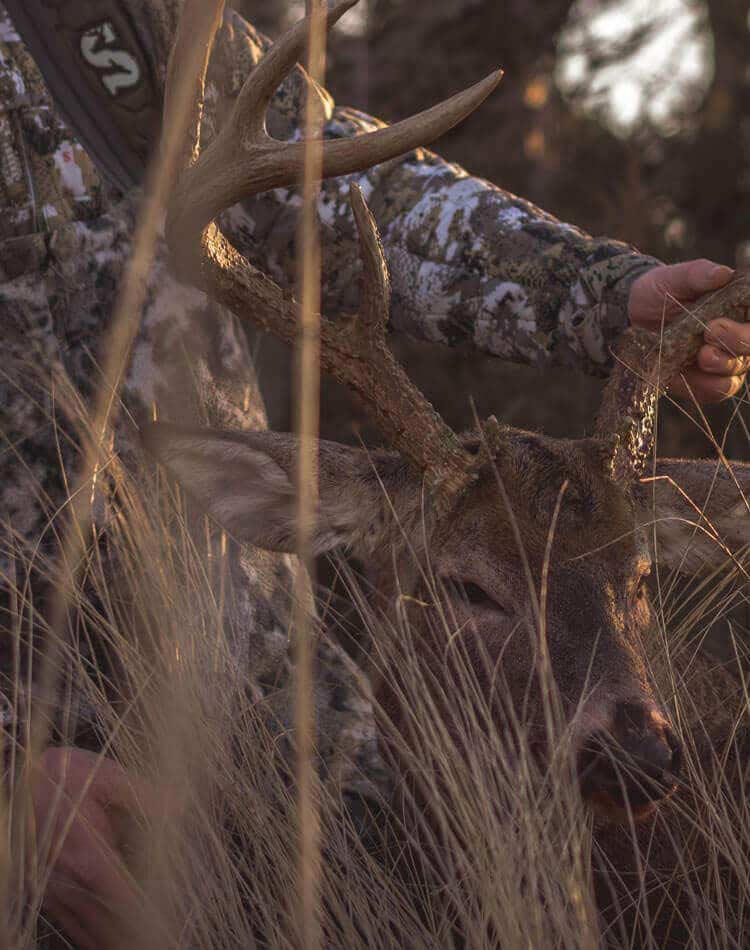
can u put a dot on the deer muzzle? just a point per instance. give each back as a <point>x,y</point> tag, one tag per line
<point>627,770</point>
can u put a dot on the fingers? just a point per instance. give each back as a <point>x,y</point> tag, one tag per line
<point>83,773</point>
<point>719,363</point>
<point>88,887</point>
<point>667,291</point>
<point>88,893</point>
<point>729,335</point>
<point>706,387</point>
<point>79,914</point>
<point>691,279</point>
<point>67,919</point>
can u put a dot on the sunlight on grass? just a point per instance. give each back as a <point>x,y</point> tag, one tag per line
<point>472,838</point>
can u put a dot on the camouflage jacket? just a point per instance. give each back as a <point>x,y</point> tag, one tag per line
<point>467,260</point>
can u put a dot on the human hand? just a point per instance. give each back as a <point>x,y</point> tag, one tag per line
<point>665,293</point>
<point>81,804</point>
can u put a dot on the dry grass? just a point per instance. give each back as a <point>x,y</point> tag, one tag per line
<point>482,846</point>
<point>504,858</point>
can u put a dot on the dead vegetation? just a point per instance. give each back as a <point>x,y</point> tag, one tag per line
<point>486,847</point>
<point>508,856</point>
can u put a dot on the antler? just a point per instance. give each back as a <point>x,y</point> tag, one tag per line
<point>244,160</point>
<point>645,365</point>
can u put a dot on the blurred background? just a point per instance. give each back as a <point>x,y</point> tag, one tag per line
<point>629,118</point>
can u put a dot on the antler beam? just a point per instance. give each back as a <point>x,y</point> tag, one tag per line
<point>645,364</point>
<point>243,160</point>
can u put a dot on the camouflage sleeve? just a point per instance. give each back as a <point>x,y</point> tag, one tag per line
<point>468,260</point>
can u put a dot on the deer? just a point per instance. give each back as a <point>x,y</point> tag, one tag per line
<point>496,509</point>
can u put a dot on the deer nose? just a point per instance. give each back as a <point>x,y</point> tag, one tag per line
<point>632,765</point>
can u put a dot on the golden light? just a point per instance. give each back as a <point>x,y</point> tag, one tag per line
<point>533,144</point>
<point>536,93</point>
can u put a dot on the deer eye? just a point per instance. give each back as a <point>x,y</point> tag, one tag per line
<point>469,592</point>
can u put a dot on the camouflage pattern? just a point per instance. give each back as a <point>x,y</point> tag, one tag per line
<point>46,178</point>
<point>60,270</point>
<point>468,260</point>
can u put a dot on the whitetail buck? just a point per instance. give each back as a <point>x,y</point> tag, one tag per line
<point>493,509</point>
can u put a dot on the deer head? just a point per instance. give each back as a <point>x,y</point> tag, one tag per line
<point>495,511</point>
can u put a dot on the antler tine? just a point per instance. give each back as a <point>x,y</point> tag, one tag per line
<point>400,409</point>
<point>243,160</point>
<point>256,95</point>
<point>645,365</point>
<point>375,291</point>
<point>222,176</point>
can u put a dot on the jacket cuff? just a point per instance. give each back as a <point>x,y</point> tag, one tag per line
<point>600,308</point>
<point>618,295</point>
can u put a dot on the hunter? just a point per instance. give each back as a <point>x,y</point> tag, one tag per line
<point>80,108</point>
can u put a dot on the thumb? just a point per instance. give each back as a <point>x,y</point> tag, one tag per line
<point>691,279</point>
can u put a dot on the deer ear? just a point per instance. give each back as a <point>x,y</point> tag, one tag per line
<point>245,480</point>
<point>697,513</point>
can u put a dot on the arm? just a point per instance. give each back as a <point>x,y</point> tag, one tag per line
<point>467,259</point>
